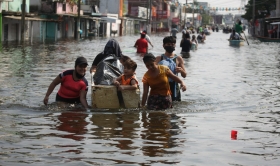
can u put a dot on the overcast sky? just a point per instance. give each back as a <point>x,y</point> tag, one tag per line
<point>221,3</point>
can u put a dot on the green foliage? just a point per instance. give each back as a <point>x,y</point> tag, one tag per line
<point>72,2</point>
<point>206,19</point>
<point>260,5</point>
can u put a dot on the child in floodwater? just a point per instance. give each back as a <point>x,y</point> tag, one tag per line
<point>156,79</point>
<point>127,81</point>
<point>194,43</point>
<point>124,58</point>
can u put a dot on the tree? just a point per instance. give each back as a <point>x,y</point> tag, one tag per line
<point>206,19</point>
<point>262,9</point>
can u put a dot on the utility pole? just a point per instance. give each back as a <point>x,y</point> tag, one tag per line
<point>193,14</point>
<point>78,21</point>
<point>23,20</point>
<point>150,18</point>
<point>147,13</point>
<point>185,9</point>
<point>253,29</point>
<point>180,17</point>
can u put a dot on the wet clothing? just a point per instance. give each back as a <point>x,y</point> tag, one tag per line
<point>173,32</point>
<point>99,57</point>
<point>128,81</point>
<point>238,28</point>
<point>159,102</point>
<point>194,44</point>
<point>159,84</point>
<point>159,97</point>
<point>184,32</point>
<point>69,90</point>
<point>186,45</point>
<point>200,29</point>
<point>67,100</point>
<point>234,36</point>
<point>142,45</point>
<point>173,86</point>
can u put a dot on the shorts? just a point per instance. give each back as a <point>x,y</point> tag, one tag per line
<point>185,54</point>
<point>159,102</point>
<point>68,100</point>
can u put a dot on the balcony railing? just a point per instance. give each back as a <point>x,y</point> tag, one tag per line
<point>58,8</point>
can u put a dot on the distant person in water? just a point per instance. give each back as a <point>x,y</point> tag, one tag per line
<point>147,37</point>
<point>234,36</point>
<point>238,28</point>
<point>73,85</point>
<point>174,32</point>
<point>141,44</point>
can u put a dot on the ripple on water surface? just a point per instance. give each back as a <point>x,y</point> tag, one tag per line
<point>228,88</point>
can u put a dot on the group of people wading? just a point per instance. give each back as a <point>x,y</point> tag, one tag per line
<point>160,81</point>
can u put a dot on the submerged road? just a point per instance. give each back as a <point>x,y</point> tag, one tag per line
<point>228,88</point>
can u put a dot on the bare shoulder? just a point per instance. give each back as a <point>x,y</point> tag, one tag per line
<point>180,59</point>
<point>158,58</point>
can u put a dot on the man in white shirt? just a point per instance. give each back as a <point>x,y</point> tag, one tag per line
<point>147,38</point>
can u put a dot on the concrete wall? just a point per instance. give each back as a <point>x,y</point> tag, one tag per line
<point>35,4</point>
<point>112,6</point>
<point>36,30</point>
<point>12,32</point>
<point>69,9</point>
<point>277,8</point>
<point>15,6</point>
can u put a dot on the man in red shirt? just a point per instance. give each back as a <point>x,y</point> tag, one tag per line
<point>142,44</point>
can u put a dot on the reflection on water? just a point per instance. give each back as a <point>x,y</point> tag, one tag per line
<point>74,123</point>
<point>228,88</point>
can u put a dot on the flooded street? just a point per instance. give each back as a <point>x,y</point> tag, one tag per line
<point>228,88</point>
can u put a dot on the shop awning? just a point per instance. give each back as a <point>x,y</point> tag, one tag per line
<point>273,23</point>
<point>111,19</point>
<point>32,19</point>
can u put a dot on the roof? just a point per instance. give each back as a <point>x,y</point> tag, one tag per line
<point>32,18</point>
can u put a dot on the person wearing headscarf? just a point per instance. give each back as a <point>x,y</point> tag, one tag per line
<point>112,47</point>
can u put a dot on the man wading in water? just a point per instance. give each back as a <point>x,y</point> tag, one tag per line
<point>175,64</point>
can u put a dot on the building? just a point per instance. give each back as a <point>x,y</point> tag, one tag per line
<point>229,19</point>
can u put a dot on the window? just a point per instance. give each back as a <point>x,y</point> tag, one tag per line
<point>64,7</point>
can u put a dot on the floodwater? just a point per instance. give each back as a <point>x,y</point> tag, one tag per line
<point>228,88</point>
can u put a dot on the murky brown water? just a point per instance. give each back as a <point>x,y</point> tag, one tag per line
<point>228,88</point>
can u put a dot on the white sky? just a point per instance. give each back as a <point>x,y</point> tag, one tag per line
<point>221,3</point>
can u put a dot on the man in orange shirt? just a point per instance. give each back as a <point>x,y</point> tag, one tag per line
<point>142,44</point>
